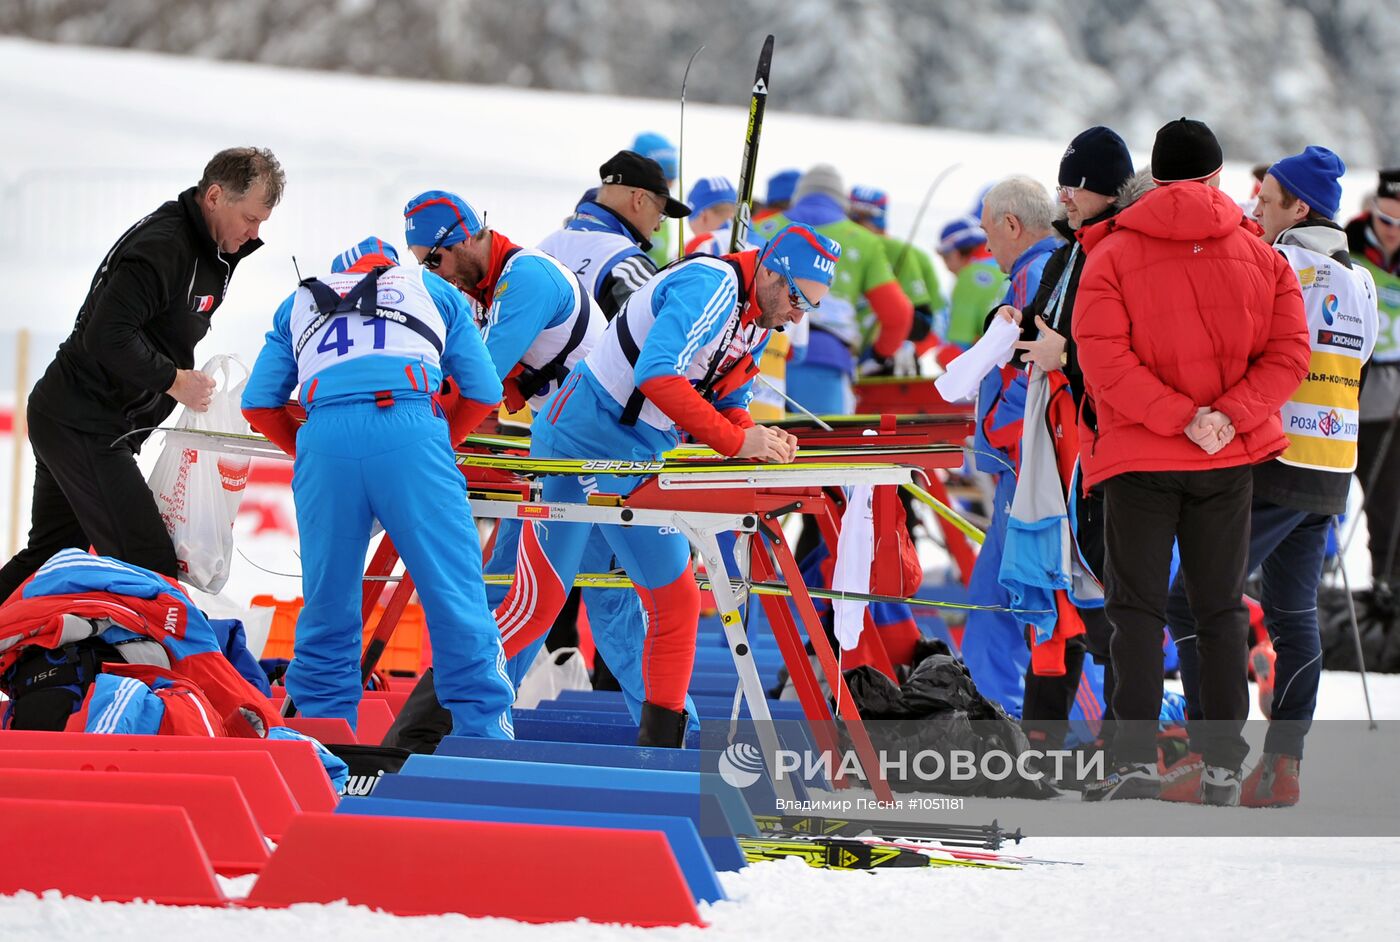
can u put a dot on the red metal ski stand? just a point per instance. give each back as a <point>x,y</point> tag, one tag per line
<point>797,663</point>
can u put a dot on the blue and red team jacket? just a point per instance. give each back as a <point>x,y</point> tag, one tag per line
<point>201,694</point>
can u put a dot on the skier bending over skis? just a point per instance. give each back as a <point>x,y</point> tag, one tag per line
<point>369,347</point>
<point>679,357</point>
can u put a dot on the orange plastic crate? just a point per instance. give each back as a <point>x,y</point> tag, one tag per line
<point>408,651</point>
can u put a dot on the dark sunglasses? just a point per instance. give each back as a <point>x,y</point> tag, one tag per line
<point>795,295</point>
<point>433,260</point>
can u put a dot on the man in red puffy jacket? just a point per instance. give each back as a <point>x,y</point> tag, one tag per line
<point>1191,336</point>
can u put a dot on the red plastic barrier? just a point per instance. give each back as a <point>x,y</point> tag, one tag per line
<point>143,853</point>
<point>222,820</point>
<point>272,804</point>
<point>373,722</point>
<point>296,760</point>
<point>394,698</point>
<point>325,729</point>
<point>414,866</point>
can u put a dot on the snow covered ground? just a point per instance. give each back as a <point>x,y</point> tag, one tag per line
<point>1168,888</point>
<point>96,138</point>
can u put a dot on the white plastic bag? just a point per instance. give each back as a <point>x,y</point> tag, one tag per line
<point>198,492</point>
<point>552,673</point>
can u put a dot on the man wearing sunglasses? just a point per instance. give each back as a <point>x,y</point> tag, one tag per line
<point>679,359</point>
<point>607,239</point>
<point>1374,241</point>
<point>538,321</point>
<point>534,314</point>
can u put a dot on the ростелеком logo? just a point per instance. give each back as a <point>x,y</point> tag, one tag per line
<point>1329,309</point>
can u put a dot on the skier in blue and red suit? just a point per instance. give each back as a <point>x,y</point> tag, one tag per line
<point>679,357</point>
<point>369,346</point>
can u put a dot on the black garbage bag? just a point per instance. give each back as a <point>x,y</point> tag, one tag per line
<point>1377,617</point>
<point>939,711</point>
<point>875,695</point>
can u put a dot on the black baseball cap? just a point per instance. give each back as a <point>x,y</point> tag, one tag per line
<point>629,168</point>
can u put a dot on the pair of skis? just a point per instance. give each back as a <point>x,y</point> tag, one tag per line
<point>758,103</point>
<point>988,836</point>
<point>860,854</point>
<point>855,844</point>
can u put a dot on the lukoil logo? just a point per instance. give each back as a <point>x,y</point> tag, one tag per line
<point>1329,309</point>
<point>741,764</point>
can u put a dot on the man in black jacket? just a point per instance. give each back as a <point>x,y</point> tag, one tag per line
<point>130,359</point>
<point>1096,181</point>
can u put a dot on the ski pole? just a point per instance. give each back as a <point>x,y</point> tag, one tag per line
<point>919,217</point>
<point>794,403</point>
<point>1356,637</point>
<point>680,152</point>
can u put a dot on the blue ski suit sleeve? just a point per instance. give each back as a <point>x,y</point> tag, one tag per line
<point>532,297</point>
<point>693,307</point>
<point>464,355</point>
<point>275,371</point>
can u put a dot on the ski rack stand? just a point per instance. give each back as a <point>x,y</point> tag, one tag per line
<point>700,504</point>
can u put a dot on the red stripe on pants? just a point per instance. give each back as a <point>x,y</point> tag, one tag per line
<point>673,613</point>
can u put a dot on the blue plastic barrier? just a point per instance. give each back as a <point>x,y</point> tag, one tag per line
<point>759,796</point>
<point>554,773</point>
<point>606,733</point>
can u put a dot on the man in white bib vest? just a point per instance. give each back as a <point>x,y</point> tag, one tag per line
<point>1297,494</point>
<point>369,345</point>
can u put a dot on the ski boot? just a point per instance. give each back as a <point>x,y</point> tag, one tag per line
<point>1220,786</point>
<point>1179,766</point>
<point>1129,780</point>
<point>1273,783</point>
<point>661,727</point>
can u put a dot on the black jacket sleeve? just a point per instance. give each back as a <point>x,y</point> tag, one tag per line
<point>135,293</point>
<point>626,276</point>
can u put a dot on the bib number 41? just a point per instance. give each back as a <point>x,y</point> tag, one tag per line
<point>337,338</point>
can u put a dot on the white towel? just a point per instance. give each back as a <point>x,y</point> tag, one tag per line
<point>965,373</point>
<point>855,550</point>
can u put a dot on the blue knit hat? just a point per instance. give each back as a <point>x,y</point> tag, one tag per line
<point>781,186</point>
<point>371,246</point>
<point>439,215</point>
<point>1314,176</point>
<point>802,252</point>
<point>658,148</point>
<point>872,203</point>
<point>961,234</point>
<point>711,191</point>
